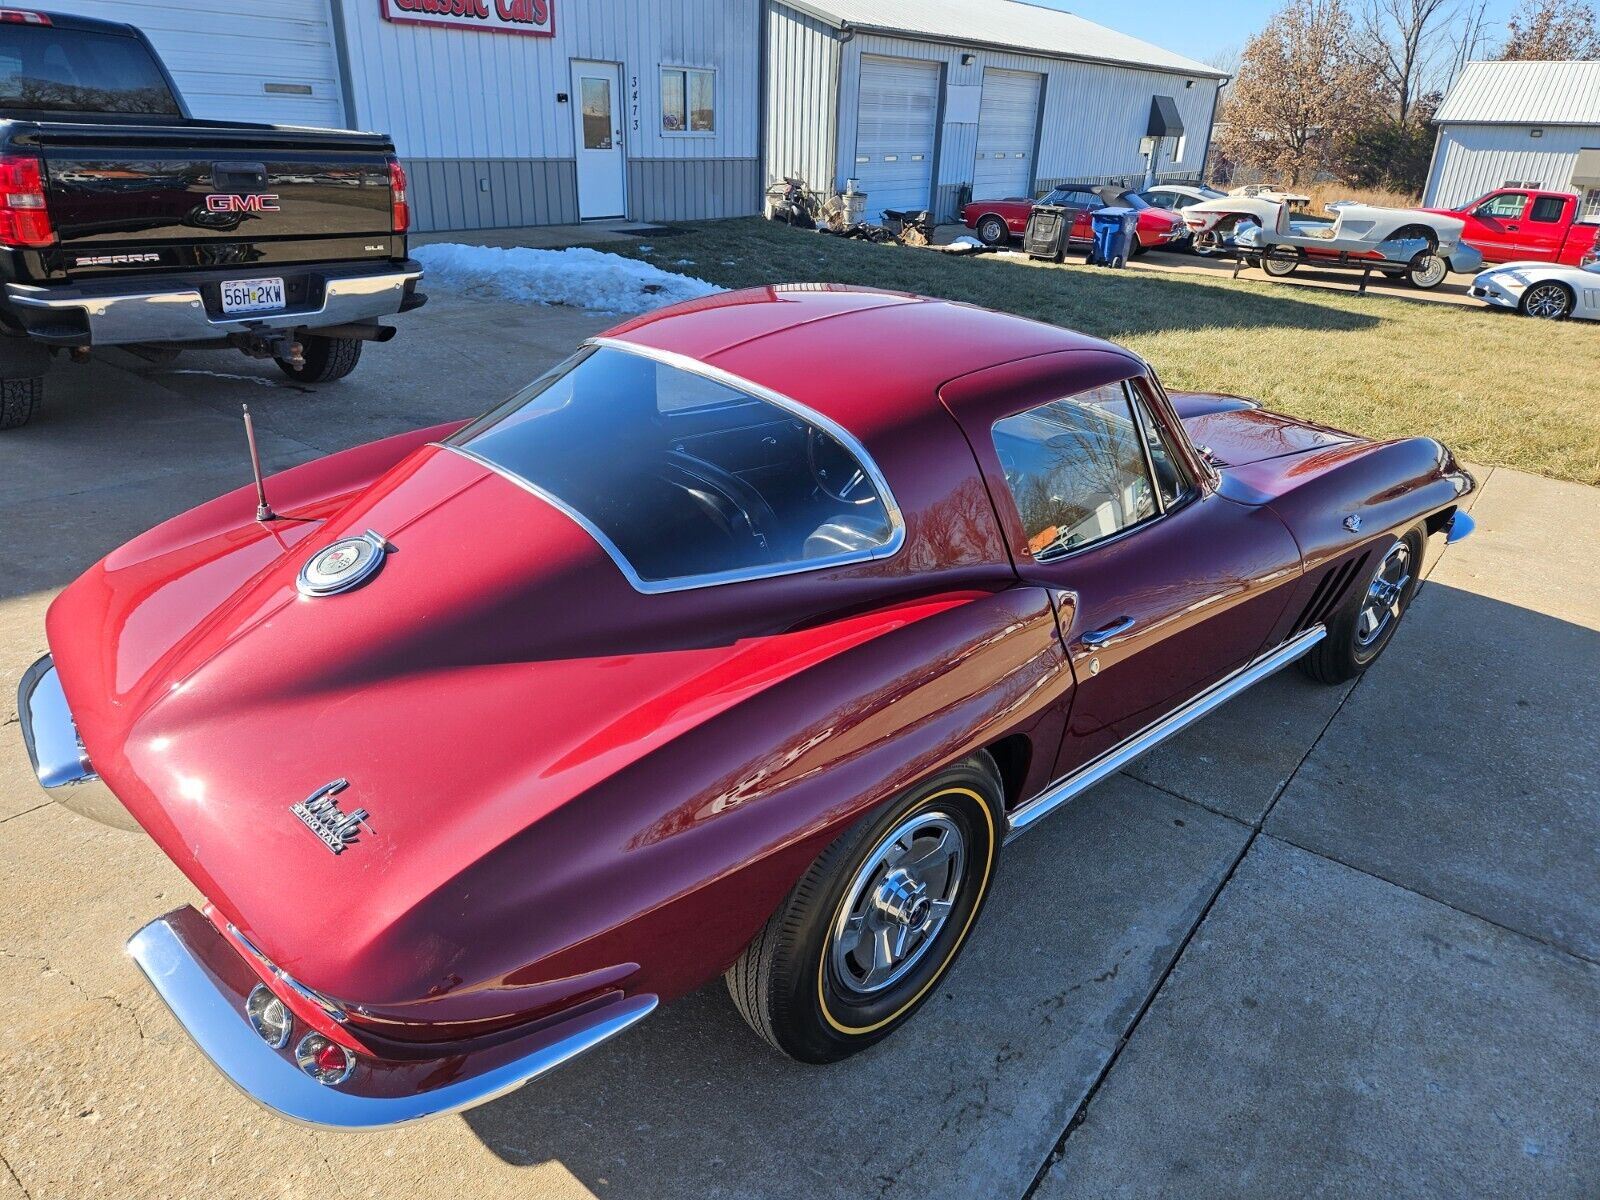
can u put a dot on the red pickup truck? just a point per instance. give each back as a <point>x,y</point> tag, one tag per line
<point>1526,223</point>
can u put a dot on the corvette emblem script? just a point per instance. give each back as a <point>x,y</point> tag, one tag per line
<point>321,814</point>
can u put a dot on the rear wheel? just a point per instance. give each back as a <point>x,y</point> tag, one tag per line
<point>1280,262</point>
<point>1427,270</point>
<point>992,231</point>
<point>862,939</point>
<point>19,400</point>
<point>1206,243</point>
<point>1547,301</point>
<point>326,359</point>
<point>1363,626</point>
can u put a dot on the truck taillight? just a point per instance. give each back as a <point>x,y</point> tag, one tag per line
<point>399,206</point>
<point>24,218</point>
<point>19,16</point>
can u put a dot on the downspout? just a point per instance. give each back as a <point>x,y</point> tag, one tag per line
<point>763,102</point>
<point>341,53</point>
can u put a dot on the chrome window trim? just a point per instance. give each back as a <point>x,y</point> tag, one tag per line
<point>1144,446</point>
<point>652,587</point>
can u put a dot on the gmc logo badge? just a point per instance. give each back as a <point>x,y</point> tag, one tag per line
<point>224,202</point>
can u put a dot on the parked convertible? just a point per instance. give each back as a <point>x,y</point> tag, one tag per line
<point>1540,289</point>
<point>997,221</point>
<point>731,644</point>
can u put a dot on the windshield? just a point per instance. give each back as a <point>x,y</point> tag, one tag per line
<point>1210,193</point>
<point>43,68</point>
<point>685,479</point>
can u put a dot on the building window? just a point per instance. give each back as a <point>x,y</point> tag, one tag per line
<point>688,100</point>
<point>1177,150</point>
<point>1590,205</point>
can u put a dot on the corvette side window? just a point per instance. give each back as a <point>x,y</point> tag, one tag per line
<point>1076,469</point>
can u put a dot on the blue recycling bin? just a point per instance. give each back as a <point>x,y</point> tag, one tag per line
<point>1113,228</point>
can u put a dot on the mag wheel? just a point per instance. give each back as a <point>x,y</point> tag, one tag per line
<point>1548,301</point>
<point>877,921</point>
<point>1363,626</point>
<point>992,231</point>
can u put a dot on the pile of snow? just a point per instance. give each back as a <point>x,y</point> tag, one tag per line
<point>966,239</point>
<point>578,276</point>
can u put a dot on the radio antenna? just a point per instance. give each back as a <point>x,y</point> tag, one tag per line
<point>263,509</point>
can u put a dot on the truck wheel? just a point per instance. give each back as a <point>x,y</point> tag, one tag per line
<point>871,928</point>
<point>326,358</point>
<point>1362,627</point>
<point>19,400</point>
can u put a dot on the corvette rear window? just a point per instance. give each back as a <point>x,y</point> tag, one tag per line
<point>683,478</point>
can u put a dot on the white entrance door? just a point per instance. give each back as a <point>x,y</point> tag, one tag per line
<point>1007,126</point>
<point>597,109</point>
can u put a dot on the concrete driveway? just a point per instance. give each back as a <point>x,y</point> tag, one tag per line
<point>1340,942</point>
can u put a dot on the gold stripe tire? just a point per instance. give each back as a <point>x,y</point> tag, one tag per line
<point>911,878</point>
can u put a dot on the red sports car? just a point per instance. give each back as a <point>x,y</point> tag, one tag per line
<point>732,644</point>
<point>998,221</point>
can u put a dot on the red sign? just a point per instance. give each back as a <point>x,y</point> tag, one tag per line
<point>532,18</point>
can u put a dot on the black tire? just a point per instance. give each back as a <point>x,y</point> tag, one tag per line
<point>326,359</point>
<point>1137,249</point>
<point>1351,646</point>
<point>993,231</point>
<point>1279,264</point>
<point>1550,300</point>
<point>19,400</point>
<point>788,984</point>
<point>1427,271</point>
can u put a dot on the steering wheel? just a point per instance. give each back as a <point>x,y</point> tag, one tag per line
<point>835,471</point>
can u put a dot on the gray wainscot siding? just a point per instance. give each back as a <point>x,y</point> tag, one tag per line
<point>692,189</point>
<point>451,193</point>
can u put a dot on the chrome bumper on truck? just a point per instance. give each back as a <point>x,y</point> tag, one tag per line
<point>187,308</point>
<point>206,980</point>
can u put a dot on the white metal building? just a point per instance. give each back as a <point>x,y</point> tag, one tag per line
<point>924,101</point>
<point>507,112</point>
<point>1519,124</point>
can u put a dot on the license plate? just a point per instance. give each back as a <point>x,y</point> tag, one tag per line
<point>252,295</point>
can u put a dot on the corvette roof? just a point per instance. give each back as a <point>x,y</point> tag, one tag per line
<point>857,355</point>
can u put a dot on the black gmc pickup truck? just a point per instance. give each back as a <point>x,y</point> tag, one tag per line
<point>126,222</point>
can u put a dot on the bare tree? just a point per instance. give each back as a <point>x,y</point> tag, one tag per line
<point>1302,88</point>
<point>1552,29</point>
<point>1402,41</point>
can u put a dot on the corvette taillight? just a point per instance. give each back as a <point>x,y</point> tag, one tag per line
<point>24,217</point>
<point>399,206</point>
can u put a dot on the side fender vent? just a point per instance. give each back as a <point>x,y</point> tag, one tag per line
<point>1330,593</point>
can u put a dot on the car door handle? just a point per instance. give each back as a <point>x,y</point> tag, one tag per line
<point>1513,228</point>
<point>1096,638</point>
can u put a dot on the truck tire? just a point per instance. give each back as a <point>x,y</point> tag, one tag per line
<point>327,359</point>
<point>19,400</point>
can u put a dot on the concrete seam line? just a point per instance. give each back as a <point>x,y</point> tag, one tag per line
<point>1082,1112</point>
<point>26,811</point>
<point>17,1179</point>
<point>1200,804</point>
<point>1455,908</point>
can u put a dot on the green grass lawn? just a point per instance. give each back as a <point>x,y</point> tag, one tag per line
<point>1495,387</point>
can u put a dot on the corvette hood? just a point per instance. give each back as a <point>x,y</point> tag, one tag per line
<point>496,666</point>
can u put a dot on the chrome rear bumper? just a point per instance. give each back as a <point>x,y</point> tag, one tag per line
<point>54,749</point>
<point>205,982</point>
<point>143,310</point>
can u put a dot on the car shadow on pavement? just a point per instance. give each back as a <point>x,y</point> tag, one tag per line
<point>1459,769</point>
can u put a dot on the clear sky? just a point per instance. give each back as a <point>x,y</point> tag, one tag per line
<point>1202,29</point>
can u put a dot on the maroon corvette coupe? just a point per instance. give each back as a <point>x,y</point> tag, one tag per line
<point>736,643</point>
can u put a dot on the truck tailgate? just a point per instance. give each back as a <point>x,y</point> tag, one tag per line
<point>128,199</point>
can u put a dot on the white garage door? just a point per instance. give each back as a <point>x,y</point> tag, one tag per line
<point>896,126</point>
<point>1008,123</point>
<point>241,62</point>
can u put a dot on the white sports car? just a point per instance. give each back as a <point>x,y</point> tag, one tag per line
<point>1540,289</point>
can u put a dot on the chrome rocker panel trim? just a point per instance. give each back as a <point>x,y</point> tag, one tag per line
<point>220,1028</point>
<point>1113,760</point>
<point>179,315</point>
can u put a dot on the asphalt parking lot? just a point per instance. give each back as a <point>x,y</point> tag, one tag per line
<point>1342,942</point>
